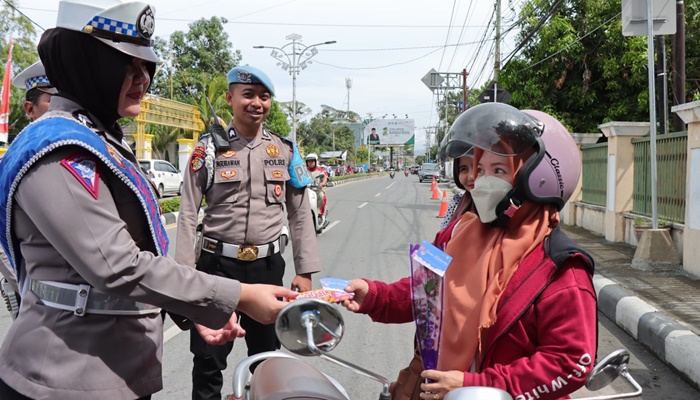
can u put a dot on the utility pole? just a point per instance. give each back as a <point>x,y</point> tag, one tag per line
<point>348,85</point>
<point>464,89</point>
<point>662,84</point>
<point>497,63</point>
<point>678,55</point>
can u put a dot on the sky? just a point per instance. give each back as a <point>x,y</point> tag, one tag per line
<point>384,47</point>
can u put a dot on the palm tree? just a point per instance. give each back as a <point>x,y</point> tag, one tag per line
<point>215,91</point>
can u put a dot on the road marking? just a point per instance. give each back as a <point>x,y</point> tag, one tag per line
<point>171,333</point>
<point>378,194</point>
<point>362,205</point>
<point>328,228</point>
<point>390,185</point>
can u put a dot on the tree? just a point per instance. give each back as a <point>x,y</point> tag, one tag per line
<point>302,110</point>
<point>582,75</point>
<point>23,55</point>
<point>320,134</point>
<point>276,121</point>
<point>163,137</point>
<point>199,55</point>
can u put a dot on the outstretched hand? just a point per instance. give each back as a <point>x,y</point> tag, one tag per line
<point>360,288</point>
<point>228,333</point>
<point>261,302</point>
<point>442,382</point>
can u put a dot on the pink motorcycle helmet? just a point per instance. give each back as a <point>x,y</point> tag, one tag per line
<point>555,177</point>
<point>550,175</point>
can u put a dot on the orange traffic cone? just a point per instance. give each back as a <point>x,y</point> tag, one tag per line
<point>433,185</point>
<point>443,205</point>
<point>436,194</point>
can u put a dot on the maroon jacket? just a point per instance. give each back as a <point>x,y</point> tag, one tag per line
<point>544,342</point>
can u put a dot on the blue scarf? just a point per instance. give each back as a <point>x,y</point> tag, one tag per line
<point>44,136</point>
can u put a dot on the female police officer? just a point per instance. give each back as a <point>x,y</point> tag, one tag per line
<point>82,229</point>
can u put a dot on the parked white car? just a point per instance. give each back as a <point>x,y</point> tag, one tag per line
<point>164,175</point>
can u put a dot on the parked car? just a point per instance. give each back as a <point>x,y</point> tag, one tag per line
<point>164,175</point>
<point>428,171</point>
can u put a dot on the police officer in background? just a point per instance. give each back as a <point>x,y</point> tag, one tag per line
<point>91,260</point>
<point>38,97</point>
<point>246,174</point>
<point>39,89</point>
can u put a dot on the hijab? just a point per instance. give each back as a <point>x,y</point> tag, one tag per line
<point>484,259</point>
<point>86,71</point>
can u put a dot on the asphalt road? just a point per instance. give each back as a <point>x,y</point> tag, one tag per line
<point>373,222</point>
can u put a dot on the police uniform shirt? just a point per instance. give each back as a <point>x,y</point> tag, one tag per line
<point>68,235</point>
<point>244,205</point>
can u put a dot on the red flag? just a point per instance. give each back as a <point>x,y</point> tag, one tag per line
<point>5,101</point>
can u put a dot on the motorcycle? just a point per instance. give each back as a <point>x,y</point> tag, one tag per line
<point>314,327</point>
<point>391,174</point>
<point>320,216</point>
<point>405,172</point>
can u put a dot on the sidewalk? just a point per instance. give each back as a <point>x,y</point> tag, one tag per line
<point>660,309</point>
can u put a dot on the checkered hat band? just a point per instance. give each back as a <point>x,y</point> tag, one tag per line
<point>112,25</point>
<point>37,81</point>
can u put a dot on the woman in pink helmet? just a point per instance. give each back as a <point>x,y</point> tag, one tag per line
<point>519,309</point>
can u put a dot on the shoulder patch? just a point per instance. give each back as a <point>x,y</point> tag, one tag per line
<point>84,168</point>
<point>197,158</point>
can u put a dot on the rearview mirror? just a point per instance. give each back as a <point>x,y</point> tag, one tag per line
<point>326,322</point>
<point>607,370</point>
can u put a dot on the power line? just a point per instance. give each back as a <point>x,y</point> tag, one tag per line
<point>381,66</point>
<point>447,37</point>
<point>23,14</point>
<point>461,33</point>
<point>570,44</point>
<point>404,48</point>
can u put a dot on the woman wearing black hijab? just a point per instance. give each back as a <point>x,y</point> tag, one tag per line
<point>81,227</point>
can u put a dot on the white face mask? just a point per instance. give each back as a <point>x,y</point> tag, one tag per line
<point>487,193</point>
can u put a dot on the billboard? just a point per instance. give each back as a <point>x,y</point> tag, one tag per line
<point>390,132</point>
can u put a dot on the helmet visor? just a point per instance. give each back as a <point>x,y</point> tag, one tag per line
<point>494,127</point>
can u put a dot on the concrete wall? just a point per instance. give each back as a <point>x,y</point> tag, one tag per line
<point>590,217</point>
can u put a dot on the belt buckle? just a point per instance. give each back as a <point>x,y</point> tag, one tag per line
<point>248,252</point>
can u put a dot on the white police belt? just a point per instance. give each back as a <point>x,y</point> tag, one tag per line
<point>244,252</point>
<point>84,299</point>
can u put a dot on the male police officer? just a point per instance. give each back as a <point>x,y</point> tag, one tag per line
<point>246,174</point>
<point>38,97</point>
<point>39,89</point>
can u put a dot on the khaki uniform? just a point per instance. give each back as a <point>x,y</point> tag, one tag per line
<point>245,202</point>
<point>69,236</point>
<point>246,189</point>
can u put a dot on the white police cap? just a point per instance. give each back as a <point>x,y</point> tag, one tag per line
<point>34,77</point>
<point>127,26</point>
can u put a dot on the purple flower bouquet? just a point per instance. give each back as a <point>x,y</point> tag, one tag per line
<point>428,265</point>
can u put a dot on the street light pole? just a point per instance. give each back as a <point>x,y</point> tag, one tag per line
<point>296,60</point>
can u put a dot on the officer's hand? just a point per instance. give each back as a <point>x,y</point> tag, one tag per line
<point>261,303</point>
<point>360,288</point>
<point>218,337</point>
<point>302,283</point>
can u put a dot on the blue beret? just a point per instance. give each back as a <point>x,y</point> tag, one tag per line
<point>250,75</point>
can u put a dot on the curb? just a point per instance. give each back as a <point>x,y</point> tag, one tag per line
<point>666,338</point>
